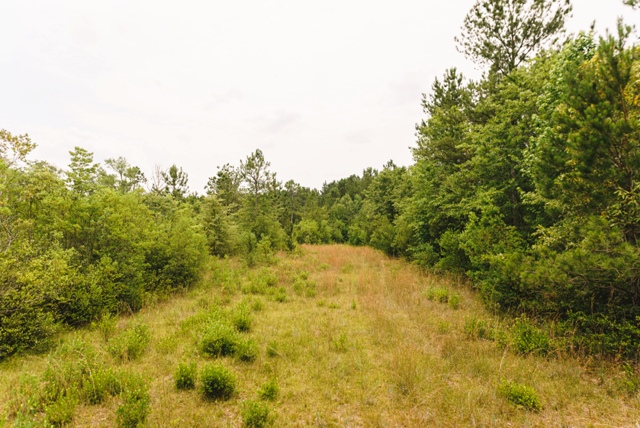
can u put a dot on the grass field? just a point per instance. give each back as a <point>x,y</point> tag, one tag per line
<point>332,336</point>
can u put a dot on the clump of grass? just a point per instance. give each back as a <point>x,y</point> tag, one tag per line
<point>256,414</point>
<point>217,383</point>
<point>130,344</point>
<point>102,383</point>
<point>269,390</point>
<point>443,295</point>
<point>340,342</point>
<point>185,376</point>
<point>257,305</point>
<point>630,381</point>
<point>272,349</point>
<point>476,328</point>
<point>522,396</point>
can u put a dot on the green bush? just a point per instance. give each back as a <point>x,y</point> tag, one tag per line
<point>269,390</point>
<point>246,350</point>
<point>241,318</point>
<point>130,344</point>
<point>102,383</point>
<point>256,414</point>
<point>521,395</point>
<point>185,376</point>
<point>217,383</point>
<point>219,339</point>
<point>280,295</point>
<point>528,339</point>
<point>135,404</point>
<point>60,412</point>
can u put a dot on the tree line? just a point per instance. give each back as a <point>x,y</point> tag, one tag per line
<point>524,181</point>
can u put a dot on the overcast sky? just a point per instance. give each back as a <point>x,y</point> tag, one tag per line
<point>324,88</point>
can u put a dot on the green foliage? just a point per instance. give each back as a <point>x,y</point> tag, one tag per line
<point>526,338</point>
<point>130,344</point>
<point>242,318</point>
<point>269,390</point>
<point>217,383</point>
<point>246,350</point>
<point>522,396</point>
<point>219,339</point>
<point>135,404</point>
<point>504,33</point>
<point>185,376</point>
<point>256,414</point>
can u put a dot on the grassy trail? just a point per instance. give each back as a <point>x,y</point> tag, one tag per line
<point>351,339</point>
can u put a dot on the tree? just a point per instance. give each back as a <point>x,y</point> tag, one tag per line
<point>83,173</point>
<point>255,173</point>
<point>505,33</point>
<point>127,177</point>
<point>226,186</point>
<point>175,182</point>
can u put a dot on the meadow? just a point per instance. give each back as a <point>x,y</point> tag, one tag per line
<point>326,336</point>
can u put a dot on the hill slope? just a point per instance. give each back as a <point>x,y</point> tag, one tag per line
<point>330,336</point>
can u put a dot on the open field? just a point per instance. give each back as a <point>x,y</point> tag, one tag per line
<point>338,337</point>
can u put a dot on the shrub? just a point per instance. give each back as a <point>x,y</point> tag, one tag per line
<point>106,326</point>
<point>256,414</point>
<point>185,376</point>
<point>280,295</point>
<point>454,301</point>
<point>217,383</point>
<point>246,350</point>
<point>521,395</point>
<point>219,339</point>
<point>528,339</point>
<point>135,405</point>
<point>130,344</point>
<point>103,382</point>
<point>241,318</point>
<point>270,390</point>
<point>60,412</point>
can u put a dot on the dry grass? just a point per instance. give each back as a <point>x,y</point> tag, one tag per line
<point>367,350</point>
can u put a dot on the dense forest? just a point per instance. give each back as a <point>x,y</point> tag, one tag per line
<point>525,181</point>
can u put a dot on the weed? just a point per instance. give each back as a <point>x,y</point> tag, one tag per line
<point>630,382</point>
<point>217,383</point>
<point>521,395</point>
<point>185,376</point>
<point>102,383</point>
<point>269,390</point>
<point>256,414</point>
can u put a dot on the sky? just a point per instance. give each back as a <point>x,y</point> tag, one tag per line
<point>324,88</point>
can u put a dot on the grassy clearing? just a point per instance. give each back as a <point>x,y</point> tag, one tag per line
<point>332,336</point>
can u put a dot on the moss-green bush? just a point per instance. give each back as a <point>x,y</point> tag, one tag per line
<point>217,382</point>
<point>521,395</point>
